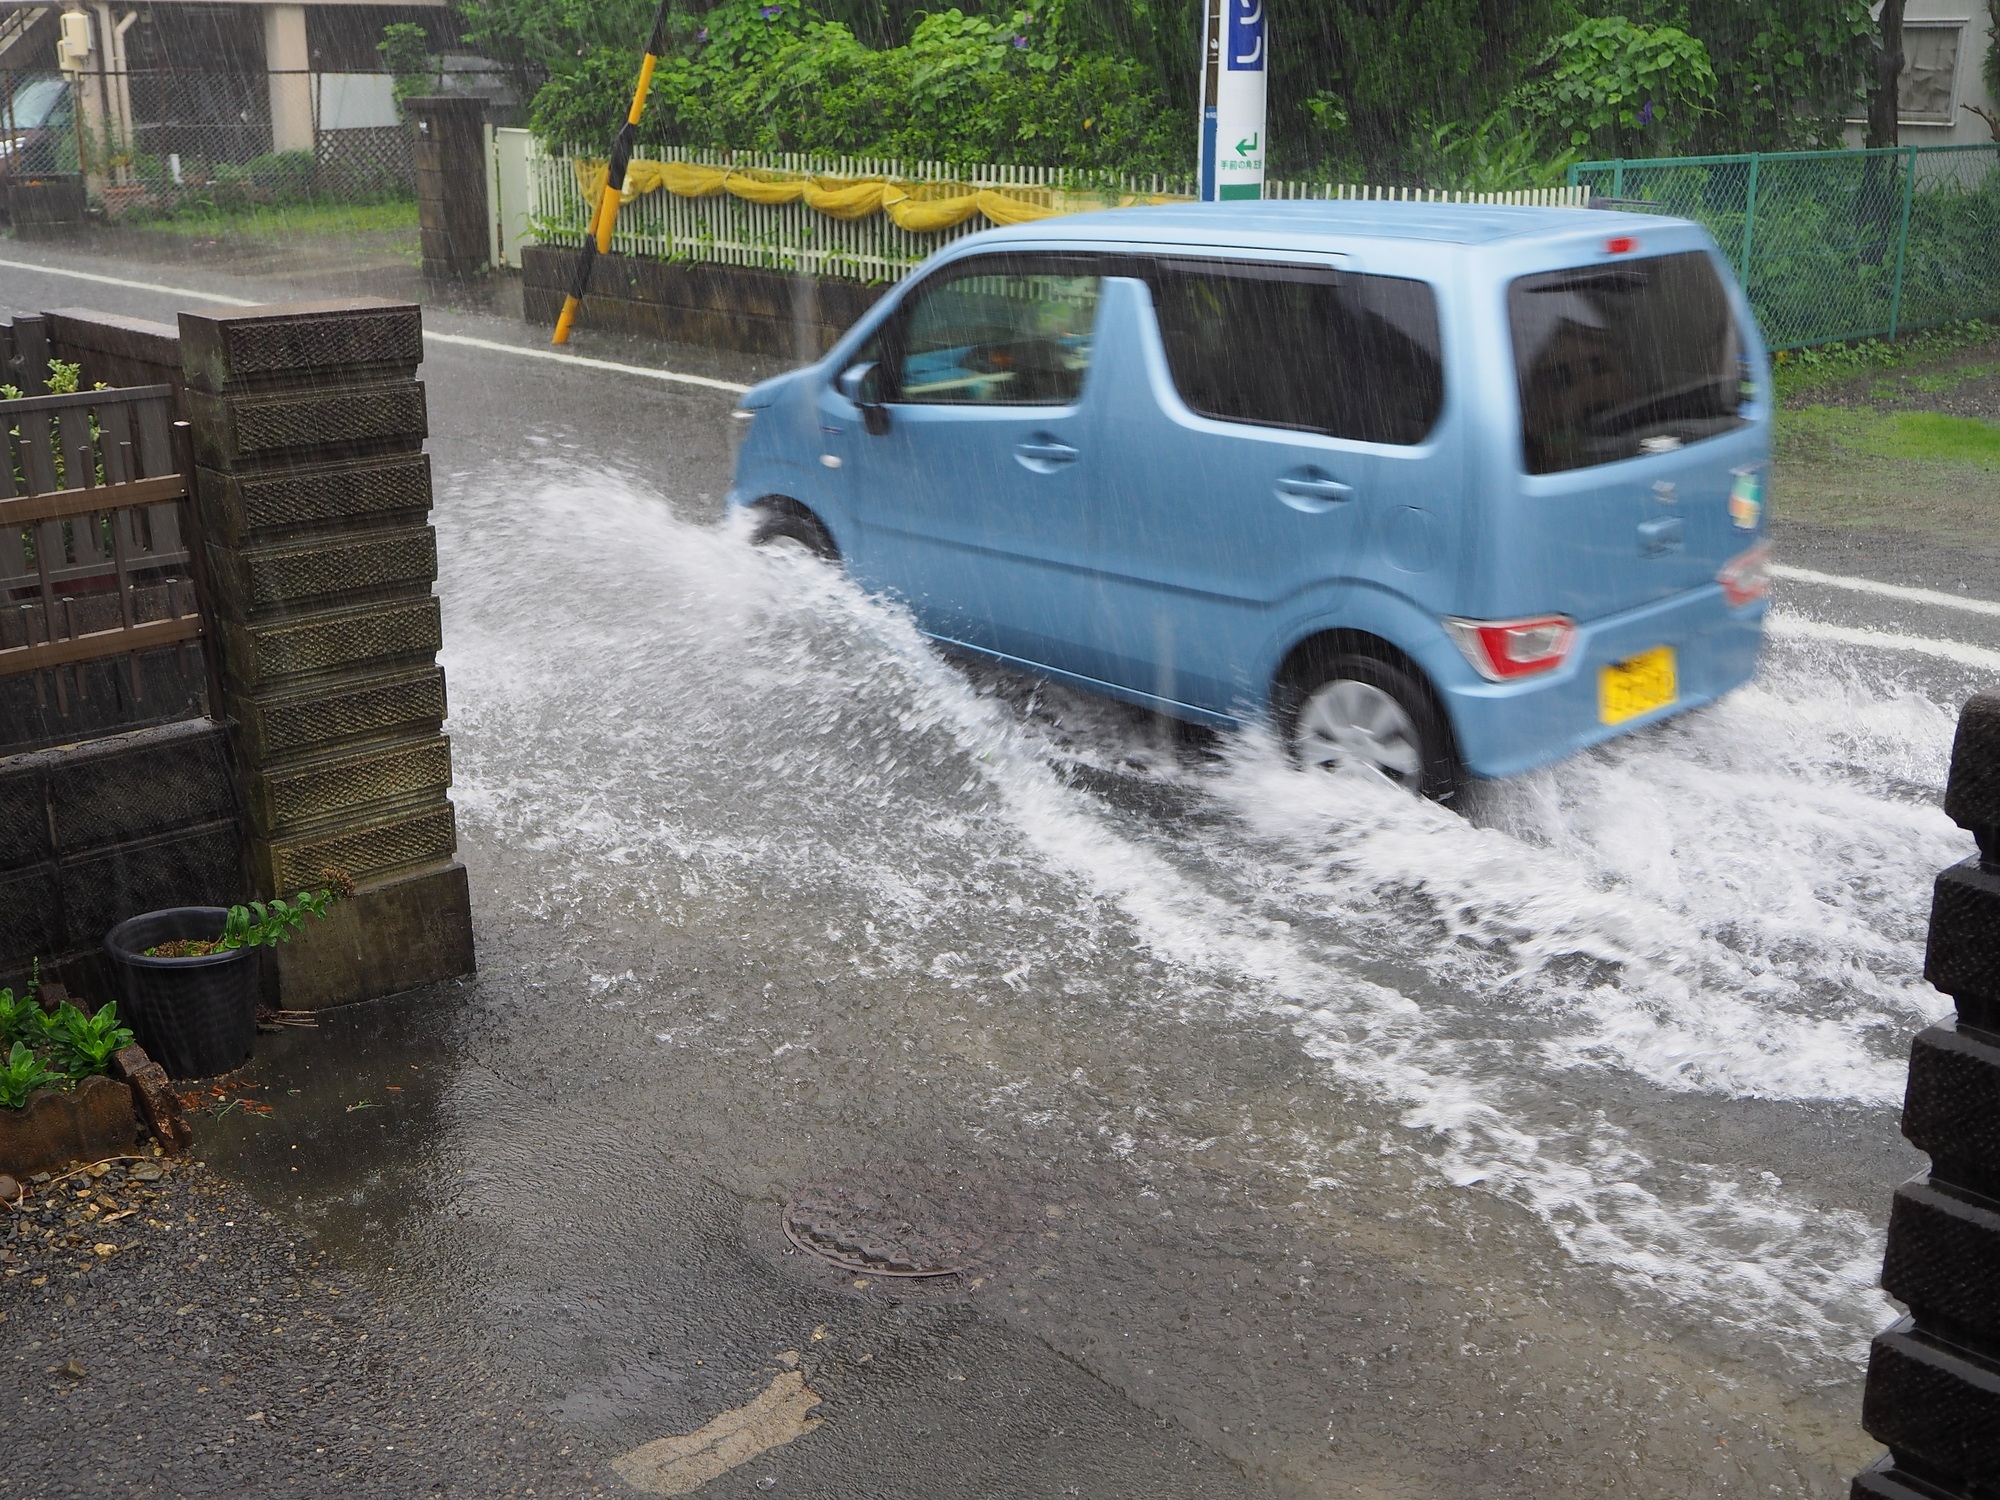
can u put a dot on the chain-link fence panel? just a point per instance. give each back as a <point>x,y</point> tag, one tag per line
<point>1833,245</point>
<point>161,142</point>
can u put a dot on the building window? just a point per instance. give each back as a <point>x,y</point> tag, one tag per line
<point>1927,93</point>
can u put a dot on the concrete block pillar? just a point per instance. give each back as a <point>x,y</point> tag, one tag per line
<point>314,493</point>
<point>1933,1393</point>
<point>451,183</point>
<point>289,62</point>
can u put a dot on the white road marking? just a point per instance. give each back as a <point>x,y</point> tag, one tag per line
<point>1932,597</point>
<point>1800,628</point>
<point>137,286</point>
<point>462,340</point>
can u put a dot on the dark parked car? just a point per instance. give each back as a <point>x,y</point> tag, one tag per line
<point>40,136</point>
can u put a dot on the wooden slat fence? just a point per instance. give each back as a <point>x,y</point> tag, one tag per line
<point>95,560</point>
<point>792,237</point>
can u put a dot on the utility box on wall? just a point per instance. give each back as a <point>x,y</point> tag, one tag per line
<point>450,138</point>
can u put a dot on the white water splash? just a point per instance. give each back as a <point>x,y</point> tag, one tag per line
<point>1730,905</point>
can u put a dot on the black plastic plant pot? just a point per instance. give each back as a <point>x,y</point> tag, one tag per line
<point>195,1017</point>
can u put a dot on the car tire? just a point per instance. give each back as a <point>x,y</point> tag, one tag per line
<point>793,523</point>
<point>1339,708</point>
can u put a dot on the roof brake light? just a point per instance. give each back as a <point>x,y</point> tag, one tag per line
<point>1620,244</point>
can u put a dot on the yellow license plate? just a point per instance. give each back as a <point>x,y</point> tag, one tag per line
<point>1627,689</point>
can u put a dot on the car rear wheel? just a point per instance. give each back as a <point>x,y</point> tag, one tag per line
<point>792,524</point>
<point>1356,710</point>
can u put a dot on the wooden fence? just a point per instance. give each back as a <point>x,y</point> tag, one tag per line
<point>538,198</point>
<point>95,561</point>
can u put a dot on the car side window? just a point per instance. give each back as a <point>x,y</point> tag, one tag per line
<point>1306,347</point>
<point>996,331</point>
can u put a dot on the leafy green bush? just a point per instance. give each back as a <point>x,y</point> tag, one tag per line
<point>965,88</point>
<point>53,1048</point>
<point>23,1073</point>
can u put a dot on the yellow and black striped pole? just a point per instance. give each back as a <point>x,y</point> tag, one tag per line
<point>598,241</point>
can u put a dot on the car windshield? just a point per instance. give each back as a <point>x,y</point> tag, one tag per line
<point>1618,360</point>
<point>35,101</point>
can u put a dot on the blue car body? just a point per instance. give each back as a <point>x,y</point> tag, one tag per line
<point>1124,541</point>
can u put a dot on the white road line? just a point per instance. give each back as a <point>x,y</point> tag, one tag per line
<point>462,340</point>
<point>708,382</point>
<point>1800,628</point>
<point>137,286</point>
<point>1931,597</point>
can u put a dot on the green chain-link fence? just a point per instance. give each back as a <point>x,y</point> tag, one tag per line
<point>1836,245</point>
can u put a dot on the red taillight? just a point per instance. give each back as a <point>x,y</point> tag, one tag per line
<point>1501,650</point>
<point>1746,577</point>
<point>1622,244</point>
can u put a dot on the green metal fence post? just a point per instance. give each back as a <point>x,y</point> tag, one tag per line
<point>1903,241</point>
<point>1749,224</point>
<point>1618,180</point>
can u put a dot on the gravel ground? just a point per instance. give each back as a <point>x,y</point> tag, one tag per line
<point>163,1336</point>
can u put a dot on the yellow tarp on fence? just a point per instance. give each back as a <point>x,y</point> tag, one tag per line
<point>919,207</point>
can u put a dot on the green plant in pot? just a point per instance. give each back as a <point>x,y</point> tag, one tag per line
<point>190,975</point>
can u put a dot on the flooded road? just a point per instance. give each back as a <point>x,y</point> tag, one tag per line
<point>1353,1146</point>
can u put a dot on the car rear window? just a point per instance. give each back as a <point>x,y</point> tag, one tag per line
<point>1306,347</point>
<point>1618,360</point>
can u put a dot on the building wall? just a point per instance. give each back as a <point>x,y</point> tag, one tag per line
<point>1934,30</point>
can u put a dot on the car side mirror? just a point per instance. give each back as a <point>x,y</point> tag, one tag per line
<point>862,384</point>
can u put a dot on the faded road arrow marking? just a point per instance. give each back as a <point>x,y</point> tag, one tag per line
<point>681,1465</point>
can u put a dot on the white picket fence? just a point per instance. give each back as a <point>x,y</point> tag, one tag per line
<point>537,199</point>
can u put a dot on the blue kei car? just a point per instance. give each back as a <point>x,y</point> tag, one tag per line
<point>1444,490</point>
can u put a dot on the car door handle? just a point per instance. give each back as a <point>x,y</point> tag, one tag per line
<point>1663,535</point>
<point>1044,455</point>
<point>1312,490</point>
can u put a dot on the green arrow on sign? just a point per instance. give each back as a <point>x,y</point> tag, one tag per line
<point>1246,146</point>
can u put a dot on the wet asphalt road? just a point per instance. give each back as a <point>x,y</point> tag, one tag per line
<point>764,890</point>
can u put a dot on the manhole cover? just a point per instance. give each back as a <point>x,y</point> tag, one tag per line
<point>898,1219</point>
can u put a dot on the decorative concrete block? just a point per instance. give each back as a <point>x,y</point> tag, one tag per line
<point>1962,953</point>
<point>24,811</point>
<point>302,794</point>
<point>391,490</point>
<point>1943,1258</point>
<point>200,866</point>
<point>134,786</point>
<point>254,582</point>
<point>1935,1403</point>
<point>1882,1480</point>
<point>31,922</point>
<point>1972,790</point>
<point>300,343</point>
<point>317,719</point>
<point>1951,1107</point>
<point>258,657</point>
<point>235,431</point>
<point>375,845</point>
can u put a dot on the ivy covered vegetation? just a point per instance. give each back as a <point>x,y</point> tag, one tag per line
<point>1474,93</point>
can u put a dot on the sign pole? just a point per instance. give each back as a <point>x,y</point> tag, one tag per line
<point>1235,53</point>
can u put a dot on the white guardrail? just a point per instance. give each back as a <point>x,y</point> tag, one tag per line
<point>533,196</point>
